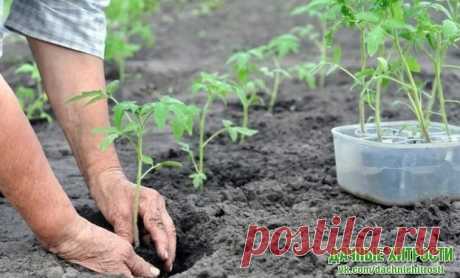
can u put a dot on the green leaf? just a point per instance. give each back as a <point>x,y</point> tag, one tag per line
<point>119,112</point>
<point>449,29</point>
<point>284,45</point>
<point>413,64</point>
<point>160,114</point>
<point>246,132</point>
<point>178,128</point>
<point>368,17</point>
<point>25,69</point>
<point>170,164</point>
<point>112,87</point>
<point>147,159</point>
<point>375,39</point>
<point>198,180</point>
<point>107,141</point>
<point>88,96</point>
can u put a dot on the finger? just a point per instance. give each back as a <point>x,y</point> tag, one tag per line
<point>124,228</point>
<point>154,225</point>
<point>125,272</point>
<point>139,267</point>
<point>171,234</point>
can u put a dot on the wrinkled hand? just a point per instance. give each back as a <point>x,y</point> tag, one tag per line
<point>113,194</point>
<point>100,250</point>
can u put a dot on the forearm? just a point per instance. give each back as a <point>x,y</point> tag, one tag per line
<point>67,73</point>
<point>26,178</point>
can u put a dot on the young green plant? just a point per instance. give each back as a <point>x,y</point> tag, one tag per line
<point>277,49</point>
<point>131,121</point>
<point>328,17</point>
<point>245,74</point>
<point>440,36</point>
<point>32,99</point>
<point>127,20</point>
<point>215,87</point>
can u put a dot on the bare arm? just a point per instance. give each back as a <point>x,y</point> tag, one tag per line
<point>27,181</point>
<point>25,176</point>
<point>67,73</point>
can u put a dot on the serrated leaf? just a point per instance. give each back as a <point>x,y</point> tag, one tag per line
<point>375,39</point>
<point>284,45</point>
<point>198,180</point>
<point>449,29</point>
<point>112,87</point>
<point>177,128</point>
<point>413,64</point>
<point>160,114</point>
<point>107,141</point>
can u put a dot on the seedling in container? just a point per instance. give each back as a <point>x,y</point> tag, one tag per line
<point>440,36</point>
<point>215,87</point>
<point>131,121</point>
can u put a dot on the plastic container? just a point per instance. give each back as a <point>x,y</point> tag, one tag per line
<point>402,169</point>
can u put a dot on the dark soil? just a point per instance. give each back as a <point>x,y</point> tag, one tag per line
<point>283,176</point>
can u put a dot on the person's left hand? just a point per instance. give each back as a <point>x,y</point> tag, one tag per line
<point>113,194</point>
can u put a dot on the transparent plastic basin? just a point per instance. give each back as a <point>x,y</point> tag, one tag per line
<point>397,171</point>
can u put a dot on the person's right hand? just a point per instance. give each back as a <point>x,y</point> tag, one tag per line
<point>100,250</point>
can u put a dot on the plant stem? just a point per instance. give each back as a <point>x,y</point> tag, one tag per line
<point>413,93</point>
<point>377,111</point>
<point>202,146</point>
<point>323,49</point>
<point>121,68</point>
<point>430,106</point>
<point>442,102</point>
<point>139,152</point>
<point>378,103</point>
<point>212,137</point>
<point>361,104</point>
<point>245,119</point>
<point>276,85</point>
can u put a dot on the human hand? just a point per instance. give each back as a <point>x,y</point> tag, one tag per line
<point>113,194</point>
<point>95,248</point>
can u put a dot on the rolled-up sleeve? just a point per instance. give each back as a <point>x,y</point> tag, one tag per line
<point>75,24</point>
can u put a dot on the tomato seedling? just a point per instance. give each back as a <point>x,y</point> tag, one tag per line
<point>215,87</point>
<point>127,20</point>
<point>131,121</point>
<point>439,37</point>
<point>33,99</point>
<point>328,17</point>
<point>277,49</point>
<point>245,72</point>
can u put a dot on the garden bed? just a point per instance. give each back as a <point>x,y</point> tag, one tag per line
<point>283,176</point>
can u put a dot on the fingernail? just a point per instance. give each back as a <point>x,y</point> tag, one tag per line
<point>165,255</point>
<point>170,268</point>
<point>155,272</point>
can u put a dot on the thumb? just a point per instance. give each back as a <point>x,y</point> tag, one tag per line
<point>139,267</point>
<point>124,229</point>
